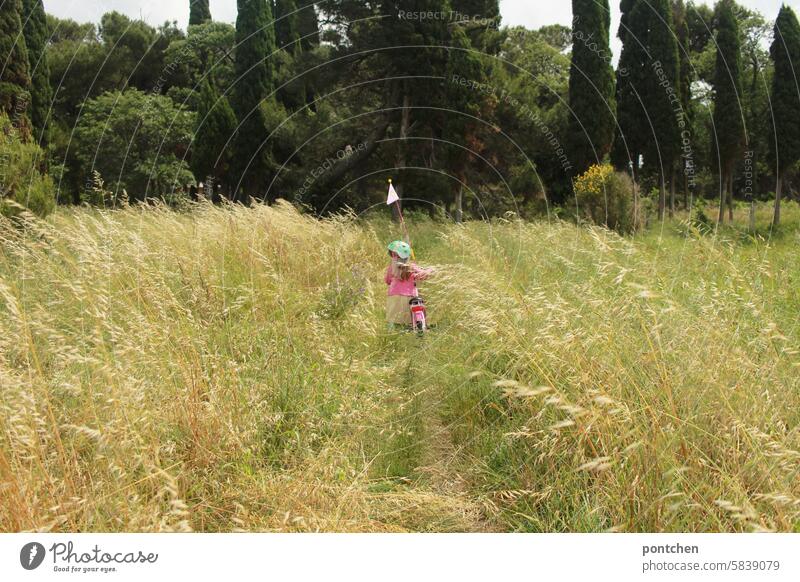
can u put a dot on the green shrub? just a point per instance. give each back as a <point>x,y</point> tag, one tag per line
<point>22,184</point>
<point>605,197</point>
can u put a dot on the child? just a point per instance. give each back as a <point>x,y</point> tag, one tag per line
<point>401,277</point>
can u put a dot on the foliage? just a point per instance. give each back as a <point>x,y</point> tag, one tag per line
<point>534,114</point>
<point>36,38</point>
<point>66,29</point>
<point>785,101</point>
<point>662,91</point>
<point>728,137</point>
<point>255,45</point>
<point>136,141</point>
<point>15,77</point>
<point>606,197</point>
<point>630,139</point>
<point>591,85</point>
<point>22,184</point>
<point>199,12</point>
<point>122,53</point>
<point>557,36</point>
<point>134,52</point>
<point>206,52</point>
<point>700,22</point>
<point>329,97</point>
<point>685,73</point>
<point>483,30</point>
<point>215,129</point>
<point>287,34</point>
<point>464,108</point>
<point>308,26</point>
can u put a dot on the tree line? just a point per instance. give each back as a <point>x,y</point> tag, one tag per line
<point>321,103</point>
<point>697,103</point>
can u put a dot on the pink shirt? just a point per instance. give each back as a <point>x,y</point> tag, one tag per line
<point>408,287</point>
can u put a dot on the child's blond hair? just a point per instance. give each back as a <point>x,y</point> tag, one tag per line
<point>401,271</point>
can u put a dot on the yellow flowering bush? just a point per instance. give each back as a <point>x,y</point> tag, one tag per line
<point>606,197</point>
<point>595,180</point>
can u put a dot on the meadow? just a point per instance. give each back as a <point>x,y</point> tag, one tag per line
<point>228,368</point>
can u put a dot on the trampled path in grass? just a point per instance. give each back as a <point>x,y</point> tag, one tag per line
<point>227,368</point>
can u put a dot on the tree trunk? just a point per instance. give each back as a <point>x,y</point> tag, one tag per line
<point>730,197</point>
<point>459,211</point>
<point>405,122</point>
<point>672,194</point>
<point>776,220</point>
<point>662,198</point>
<point>358,157</point>
<point>722,195</point>
<point>685,188</point>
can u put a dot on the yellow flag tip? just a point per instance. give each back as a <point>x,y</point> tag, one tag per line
<point>390,180</point>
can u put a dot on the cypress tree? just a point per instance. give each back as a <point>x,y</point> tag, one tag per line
<point>308,27</point>
<point>630,139</point>
<point>255,43</point>
<point>591,85</point>
<point>36,36</point>
<point>728,139</point>
<point>15,80</point>
<point>685,67</point>
<point>308,31</point>
<point>684,46</point>
<point>483,27</point>
<point>662,100</point>
<point>785,54</point>
<point>286,26</point>
<point>199,12</point>
<point>287,38</point>
<point>216,124</point>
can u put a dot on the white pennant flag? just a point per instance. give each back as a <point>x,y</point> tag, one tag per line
<point>393,197</point>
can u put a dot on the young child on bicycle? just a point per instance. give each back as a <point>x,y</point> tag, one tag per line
<point>401,277</point>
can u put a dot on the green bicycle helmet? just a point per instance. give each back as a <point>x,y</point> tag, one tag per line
<point>402,249</point>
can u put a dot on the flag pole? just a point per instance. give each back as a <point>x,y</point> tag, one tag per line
<point>403,223</point>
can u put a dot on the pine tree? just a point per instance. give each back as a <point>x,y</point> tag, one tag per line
<point>36,35</point>
<point>464,106</point>
<point>255,43</point>
<point>728,139</point>
<point>199,12</point>
<point>216,124</point>
<point>287,34</point>
<point>422,39</point>
<point>591,85</point>
<point>662,100</point>
<point>785,54</point>
<point>15,80</point>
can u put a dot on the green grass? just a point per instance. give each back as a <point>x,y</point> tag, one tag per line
<point>228,368</point>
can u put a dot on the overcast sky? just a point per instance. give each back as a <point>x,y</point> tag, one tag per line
<point>530,13</point>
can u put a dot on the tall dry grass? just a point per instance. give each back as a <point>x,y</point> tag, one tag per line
<point>228,369</point>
